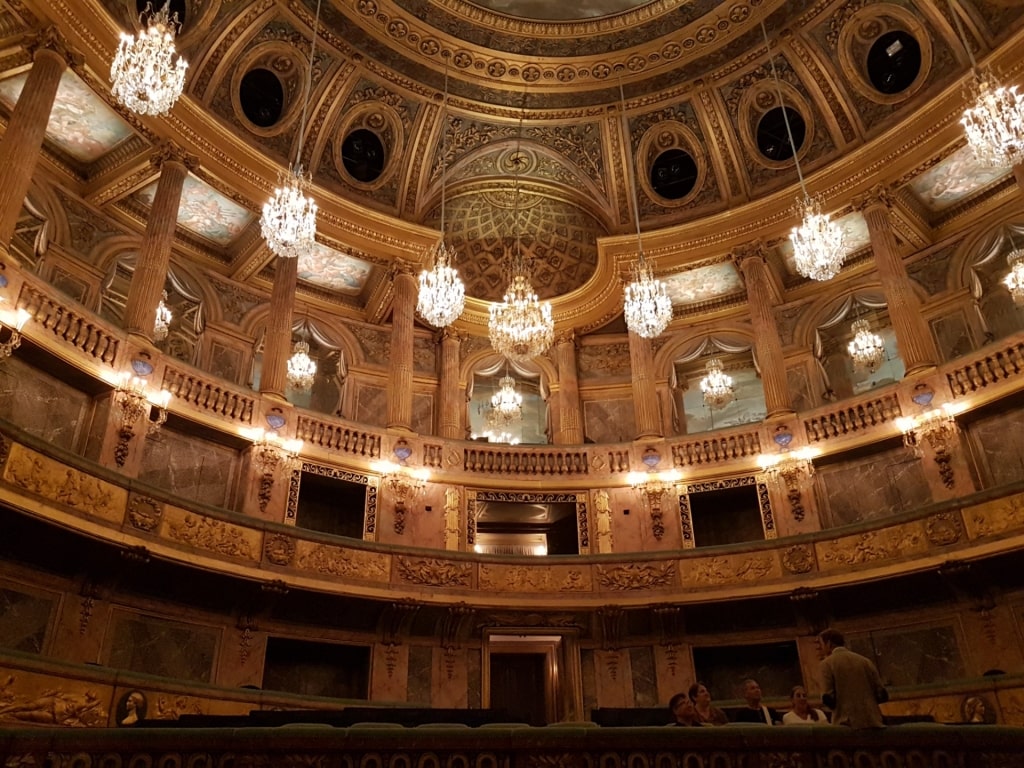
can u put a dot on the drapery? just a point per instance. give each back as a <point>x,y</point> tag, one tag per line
<point>873,299</point>
<point>495,365</point>
<point>994,245</point>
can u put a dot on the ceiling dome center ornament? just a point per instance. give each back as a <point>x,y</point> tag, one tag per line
<point>521,326</point>
<point>819,244</point>
<point>288,223</point>
<point>147,75</point>
<point>442,294</point>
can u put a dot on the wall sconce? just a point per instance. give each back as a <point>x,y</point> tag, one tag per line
<point>938,428</point>
<point>271,453</point>
<point>405,483</point>
<point>21,317</point>
<point>133,402</point>
<point>790,470</point>
<point>652,487</point>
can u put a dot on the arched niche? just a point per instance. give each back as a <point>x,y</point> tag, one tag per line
<point>840,377</point>
<point>735,351</point>
<point>483,380</point>
<point>982,270</point>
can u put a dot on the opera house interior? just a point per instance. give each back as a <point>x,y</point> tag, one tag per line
<point>527,359</point>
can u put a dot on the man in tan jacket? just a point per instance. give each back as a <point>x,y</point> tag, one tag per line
<point>853,688</point>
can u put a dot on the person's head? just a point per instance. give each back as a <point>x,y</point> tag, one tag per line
<point>798,698</point>
<point>681,707</point>
<point>700,694</point>
<point>974,708</point>
<point>752,692</point>
<point>830,639</point>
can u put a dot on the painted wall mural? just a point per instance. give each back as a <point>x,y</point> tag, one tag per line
<point>81,124</point>
<point>546,10</point>
<point>335,271</point>
<point>205,211</point>
<point>954,179</point>
<point>703,284</point>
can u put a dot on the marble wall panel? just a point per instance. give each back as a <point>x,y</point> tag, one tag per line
<point>801,392</point>
<point>872,487</point>
<point>609,421</point>
<point>225,362</point>
<point>372,406</point>
<point>317,669</point>
<point>190,467</point>
<point>164,648</point>
<point>589,677</point>
<point>42,405</point>
<point>998,442</point>
<point>423,413</point>
<point>390,670</point>
<point>645,677</point>
<point>421,663</point>
<point>24,620</point>
<point>952,335</point>
<point>908,656</point>
<point>474,676</point>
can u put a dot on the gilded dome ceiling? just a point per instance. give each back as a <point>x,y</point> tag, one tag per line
<point>699,135</point>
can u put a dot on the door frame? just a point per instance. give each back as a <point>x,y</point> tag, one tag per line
<point>563,689</point>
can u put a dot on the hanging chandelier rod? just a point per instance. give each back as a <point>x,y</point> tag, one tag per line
<point>782,105</point>
<point>518,263</point>
<point>444,142</point>
<point>309,87</point>
<point>630,169</point>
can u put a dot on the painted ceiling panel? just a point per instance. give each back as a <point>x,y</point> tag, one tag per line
<point>335,271</point>
<point>551,11</point>
<point>81,123</point>
<point>205,211</point>
<point>954,179</point>
<point>703,284</point>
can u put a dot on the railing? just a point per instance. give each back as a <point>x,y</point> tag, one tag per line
<point>995,366</point>
<point>433,455</point>
<point>81,332</point>
<point>209,397</point>
<point>338,437</point>
<point>716,448</point>
<point>619,460</point>
<point>531,462</point>
<point>852,418</point>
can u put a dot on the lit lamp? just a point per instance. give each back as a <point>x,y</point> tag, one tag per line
<point>271,453</point>
<point>935,427</point>
<point>133,402</point>
<point>1014,280</point>
<point>21,317</point>
<point>147,75</point>
<point>652,487</point>
<point>790,470</point>
<point>405,483</point>
<point>867,349</point>
<point>716,385</point>
<point>162,321</point>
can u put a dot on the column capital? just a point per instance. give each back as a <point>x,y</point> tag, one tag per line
<point>878,196</point>
<point>566,337</point>
<point>52,41</point>
<point>169,152</point>
<point>755,249</point>
<point>447,333</point>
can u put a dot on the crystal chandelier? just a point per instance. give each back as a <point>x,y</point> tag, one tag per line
<point>716,385</point>
<point>288,223</point>
<point>521,326</point>
<point>164,316</point>
<point>147,75</point>
<point>442,295</point>
<point>867,348</point>
<point>301,367</point>
<point>819,244</point>
<point>646,304</point>
<point>994,125</point>
<point>506,405</point>
<point>1014,280</point>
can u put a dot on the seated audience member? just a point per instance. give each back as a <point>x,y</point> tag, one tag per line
<point>708,713</point>
<point>755,711</point>
<point>802,712</point>
<point>683,712</point>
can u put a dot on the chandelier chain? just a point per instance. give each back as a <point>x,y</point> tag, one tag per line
<point>963,35</point>
<point>308,88</point>
<point>782,106</point>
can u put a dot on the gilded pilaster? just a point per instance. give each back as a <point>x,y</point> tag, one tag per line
<point>450,414</point>
<point>913,337</point>
<point>155,254</point>
<point>19,149</point>
<point>400,362</point>
<point>277,346</point>
<point>570,423</point>
<point>645,398</point>
<point>767,344</point>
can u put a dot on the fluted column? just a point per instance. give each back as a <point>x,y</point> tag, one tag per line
<point>767,344</point>
<point>450,412</point>
<point>645,397</point>
<point>664,390</point>
<point>913,337</point>
<point>1018,174</point>
<point>400,362</point>
<point>155,254</point>
<point>570,423</point>
<point>19,149</point>
<point>278,343</point>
